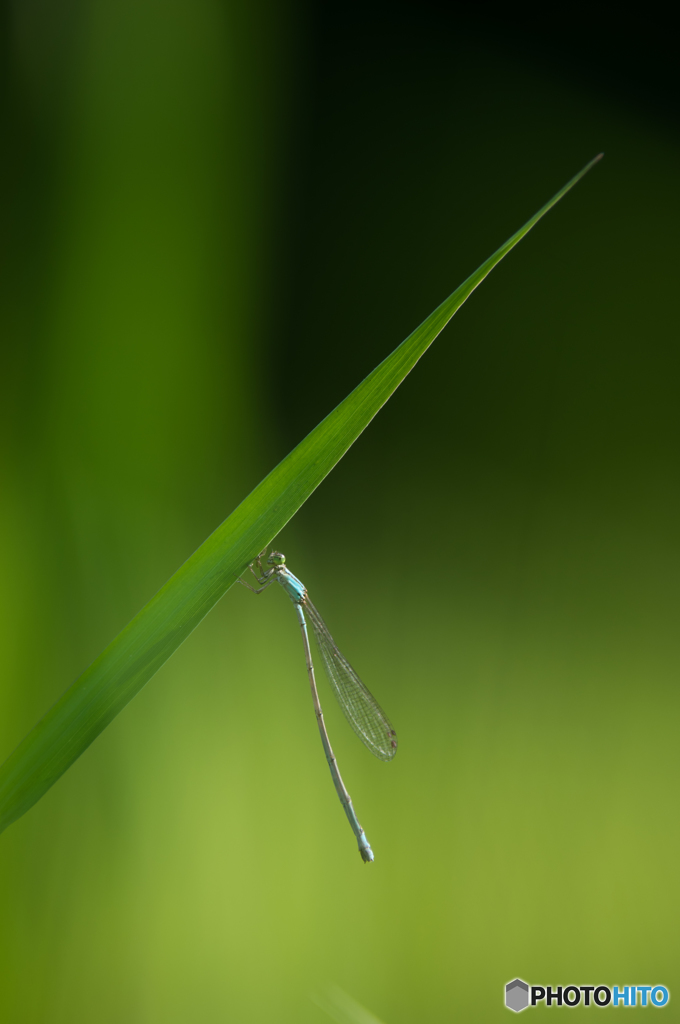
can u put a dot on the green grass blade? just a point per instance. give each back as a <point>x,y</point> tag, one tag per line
<point>342,1008</point>
<point>133,657</point>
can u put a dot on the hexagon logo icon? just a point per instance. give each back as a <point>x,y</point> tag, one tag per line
<point>517,995</point>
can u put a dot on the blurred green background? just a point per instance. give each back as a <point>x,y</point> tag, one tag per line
<point>218,217</point>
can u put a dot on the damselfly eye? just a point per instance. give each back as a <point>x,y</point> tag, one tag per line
<point>276,558</point>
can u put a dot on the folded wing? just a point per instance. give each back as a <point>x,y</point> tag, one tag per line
<point>361,709</point>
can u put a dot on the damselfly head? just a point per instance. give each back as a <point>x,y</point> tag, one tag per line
<point>276,558</point>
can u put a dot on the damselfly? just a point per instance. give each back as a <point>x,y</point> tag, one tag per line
<point>362,711</point>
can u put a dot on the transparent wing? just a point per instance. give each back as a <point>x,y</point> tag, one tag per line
<point>361,709</point>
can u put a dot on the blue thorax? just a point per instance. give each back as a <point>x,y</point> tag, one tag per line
<point>296,590</point>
